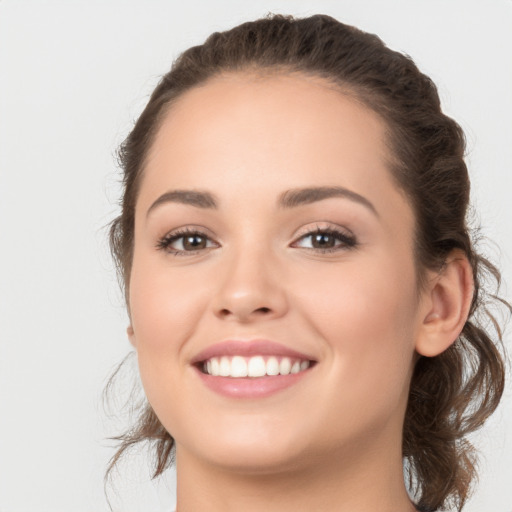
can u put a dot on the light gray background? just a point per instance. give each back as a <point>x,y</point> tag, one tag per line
<point>73,77</point>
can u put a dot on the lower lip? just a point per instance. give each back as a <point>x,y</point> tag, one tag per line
<point>248,387</point>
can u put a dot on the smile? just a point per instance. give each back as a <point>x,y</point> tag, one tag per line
<point>256,366</point>
<point>251,369</point>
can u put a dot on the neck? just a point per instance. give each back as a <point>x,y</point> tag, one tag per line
<point>341,482</point>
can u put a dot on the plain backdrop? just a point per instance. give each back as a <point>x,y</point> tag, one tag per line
<point>74,75</point>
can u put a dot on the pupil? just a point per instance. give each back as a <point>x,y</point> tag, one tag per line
<point>194,242</point>
<point>323,240</point>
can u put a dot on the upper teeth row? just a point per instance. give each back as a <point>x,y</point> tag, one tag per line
<point>256,366</point>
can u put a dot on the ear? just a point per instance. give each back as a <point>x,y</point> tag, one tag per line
<point>447,302</point>
<point>131,336</point>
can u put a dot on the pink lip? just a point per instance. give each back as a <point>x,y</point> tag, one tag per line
<point>249,387</point>
<point>260,387</point>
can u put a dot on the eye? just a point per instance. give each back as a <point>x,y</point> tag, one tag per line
<point>185,241</point>
<point>326,240</point>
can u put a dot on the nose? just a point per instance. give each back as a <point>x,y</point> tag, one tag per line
<point>251,288</point>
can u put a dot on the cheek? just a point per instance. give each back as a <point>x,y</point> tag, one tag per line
<point>165,310</point>
<point>165,307</point>
<point>367,315</point>
<point>365,318</point>
<point>362,294</point>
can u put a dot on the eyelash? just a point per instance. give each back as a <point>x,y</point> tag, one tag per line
<point>348,241</point>
<point>165,242</point>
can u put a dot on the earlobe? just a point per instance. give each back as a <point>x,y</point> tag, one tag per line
<point>449,300</point>
<point>131,335</point>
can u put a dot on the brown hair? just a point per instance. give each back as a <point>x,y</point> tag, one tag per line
<point>450,395</point>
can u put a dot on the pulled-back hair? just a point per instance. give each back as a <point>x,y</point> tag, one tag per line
<point>452,394</point>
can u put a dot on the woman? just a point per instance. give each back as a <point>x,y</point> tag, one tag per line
<point>300,279</point>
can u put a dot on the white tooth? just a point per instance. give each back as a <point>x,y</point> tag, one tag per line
<point>304,365</point>
<point>238,367</point>
<point>295,367</point>
<point>285,366</point>
<point>215,367</point>
<point>256,367</point>
<point>272,366</point>
<point>209,367</point>
<point>224,367</point>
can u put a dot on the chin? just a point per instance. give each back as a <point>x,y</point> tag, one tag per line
<point>249,451</point>
<point>256,460</point>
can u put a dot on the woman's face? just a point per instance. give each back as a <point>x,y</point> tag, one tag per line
<point>271,239</point>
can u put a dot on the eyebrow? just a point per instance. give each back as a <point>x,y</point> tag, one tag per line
<point>297,197</point>
<point>289,199</point>
<point>190,197</point>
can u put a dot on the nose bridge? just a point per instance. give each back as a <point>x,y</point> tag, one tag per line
<point>250,286</point>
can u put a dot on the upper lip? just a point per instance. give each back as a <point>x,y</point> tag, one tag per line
<point>249,348</point>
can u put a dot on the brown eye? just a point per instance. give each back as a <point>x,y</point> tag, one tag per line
<point>183,242</point>
<point>323,241</point>
<point>327,240</point>
<point>194,242</point>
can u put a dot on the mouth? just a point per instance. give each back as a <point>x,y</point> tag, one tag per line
<point>251,369</point>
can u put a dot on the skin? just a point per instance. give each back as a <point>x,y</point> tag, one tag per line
<point>332,441</point>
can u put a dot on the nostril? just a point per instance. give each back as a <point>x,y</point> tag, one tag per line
<point>225,312</point>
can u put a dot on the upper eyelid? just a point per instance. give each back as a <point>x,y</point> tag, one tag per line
<point>308,230</point>
<point>188,229</point>
<point>322,226</point>
<point>305,230</point>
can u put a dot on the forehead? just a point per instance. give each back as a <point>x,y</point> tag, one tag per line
<point>260,107</point>
<point>244,132</point>
<point>266,115</point>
